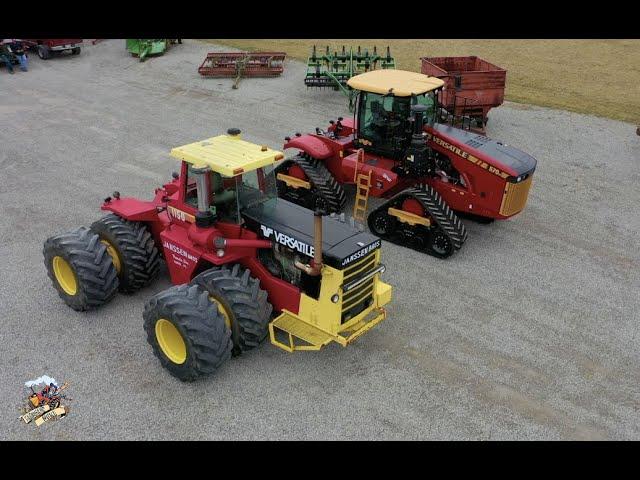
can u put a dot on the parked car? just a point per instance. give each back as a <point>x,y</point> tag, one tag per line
<point>47,47</point>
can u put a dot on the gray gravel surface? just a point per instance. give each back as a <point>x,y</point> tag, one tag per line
<point>529,332</point>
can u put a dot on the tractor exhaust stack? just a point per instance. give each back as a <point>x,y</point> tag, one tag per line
<point>204,216</point>
<point>314,270</point>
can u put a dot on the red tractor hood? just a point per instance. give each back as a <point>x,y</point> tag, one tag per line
<point>505,157</point>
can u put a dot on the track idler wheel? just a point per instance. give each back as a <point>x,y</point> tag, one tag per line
<point>381,223</point>
<point>440,245</point>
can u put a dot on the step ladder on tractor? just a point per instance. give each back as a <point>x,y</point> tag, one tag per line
<point>363,185</point>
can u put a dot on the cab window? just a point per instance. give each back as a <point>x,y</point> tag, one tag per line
<point>256,187</point>
<point>222,194</point>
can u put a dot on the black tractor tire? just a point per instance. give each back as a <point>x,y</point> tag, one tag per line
<point>86,263</point>
<point>206,337</point>
<point>244,301</point>
<point>44,52</point>
<point>136,249</point>
<point>75,51</point>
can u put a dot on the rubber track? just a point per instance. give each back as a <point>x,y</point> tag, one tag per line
<point>437,208</point>
<point>324,182</point>
<point>444,217</point>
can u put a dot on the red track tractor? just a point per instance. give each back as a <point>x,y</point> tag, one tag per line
<point>394,147</point>
<point>236,253</point>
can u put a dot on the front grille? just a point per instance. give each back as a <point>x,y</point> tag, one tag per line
<point>358,299</point>
<point>515,197</point>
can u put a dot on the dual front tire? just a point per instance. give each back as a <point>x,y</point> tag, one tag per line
<point>194,328</point>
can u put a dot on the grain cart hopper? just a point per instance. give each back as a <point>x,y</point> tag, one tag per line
<point>473,86</point>
<point>394,148</point>
<point>245,263</point>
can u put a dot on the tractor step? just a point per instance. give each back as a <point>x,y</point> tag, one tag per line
<point>315,338</point>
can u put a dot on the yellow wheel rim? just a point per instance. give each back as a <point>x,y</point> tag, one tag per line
<point>113,253</point>
<point>171,341</point>
<point>222,310</point>
<point>65,276</point>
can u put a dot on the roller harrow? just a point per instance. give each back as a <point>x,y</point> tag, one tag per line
<point>242,64</point>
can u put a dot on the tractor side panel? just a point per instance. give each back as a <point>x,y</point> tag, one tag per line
<point>485,184</point>
<point>181,256</point>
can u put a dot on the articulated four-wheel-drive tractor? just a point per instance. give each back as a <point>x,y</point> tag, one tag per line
<point>398,146</point>
<point>235,251</point>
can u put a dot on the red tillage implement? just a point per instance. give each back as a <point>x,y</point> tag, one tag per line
<point>239,64</point>
<point>473,86</point>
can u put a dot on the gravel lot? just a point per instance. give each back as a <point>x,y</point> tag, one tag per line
<point>529,332</point>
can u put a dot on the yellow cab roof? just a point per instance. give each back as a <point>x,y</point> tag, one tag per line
<point>400,82</point>
<point>228,155</point>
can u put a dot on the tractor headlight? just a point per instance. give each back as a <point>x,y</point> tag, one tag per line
<point>335,298</point>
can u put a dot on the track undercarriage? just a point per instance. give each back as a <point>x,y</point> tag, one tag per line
<point>417,217</point>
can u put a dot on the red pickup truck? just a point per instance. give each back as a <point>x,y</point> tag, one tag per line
<point>46,47</point>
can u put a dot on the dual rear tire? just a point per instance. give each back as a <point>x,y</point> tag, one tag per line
<point>80,268</point>
<point>88,266</point>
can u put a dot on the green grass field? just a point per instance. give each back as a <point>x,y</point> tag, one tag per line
<point>599,77</point>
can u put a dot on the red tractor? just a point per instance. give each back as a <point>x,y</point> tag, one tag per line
<point>395,148</point>
<point>236,253</point>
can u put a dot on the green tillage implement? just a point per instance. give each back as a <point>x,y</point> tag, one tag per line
<point>142,48</point>
<point>334,70</point>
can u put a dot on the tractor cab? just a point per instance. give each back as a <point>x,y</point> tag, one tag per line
<point>223,175</point>
<point>383,115</point>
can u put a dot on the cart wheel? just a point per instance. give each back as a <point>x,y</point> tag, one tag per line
<point>75,51</point>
